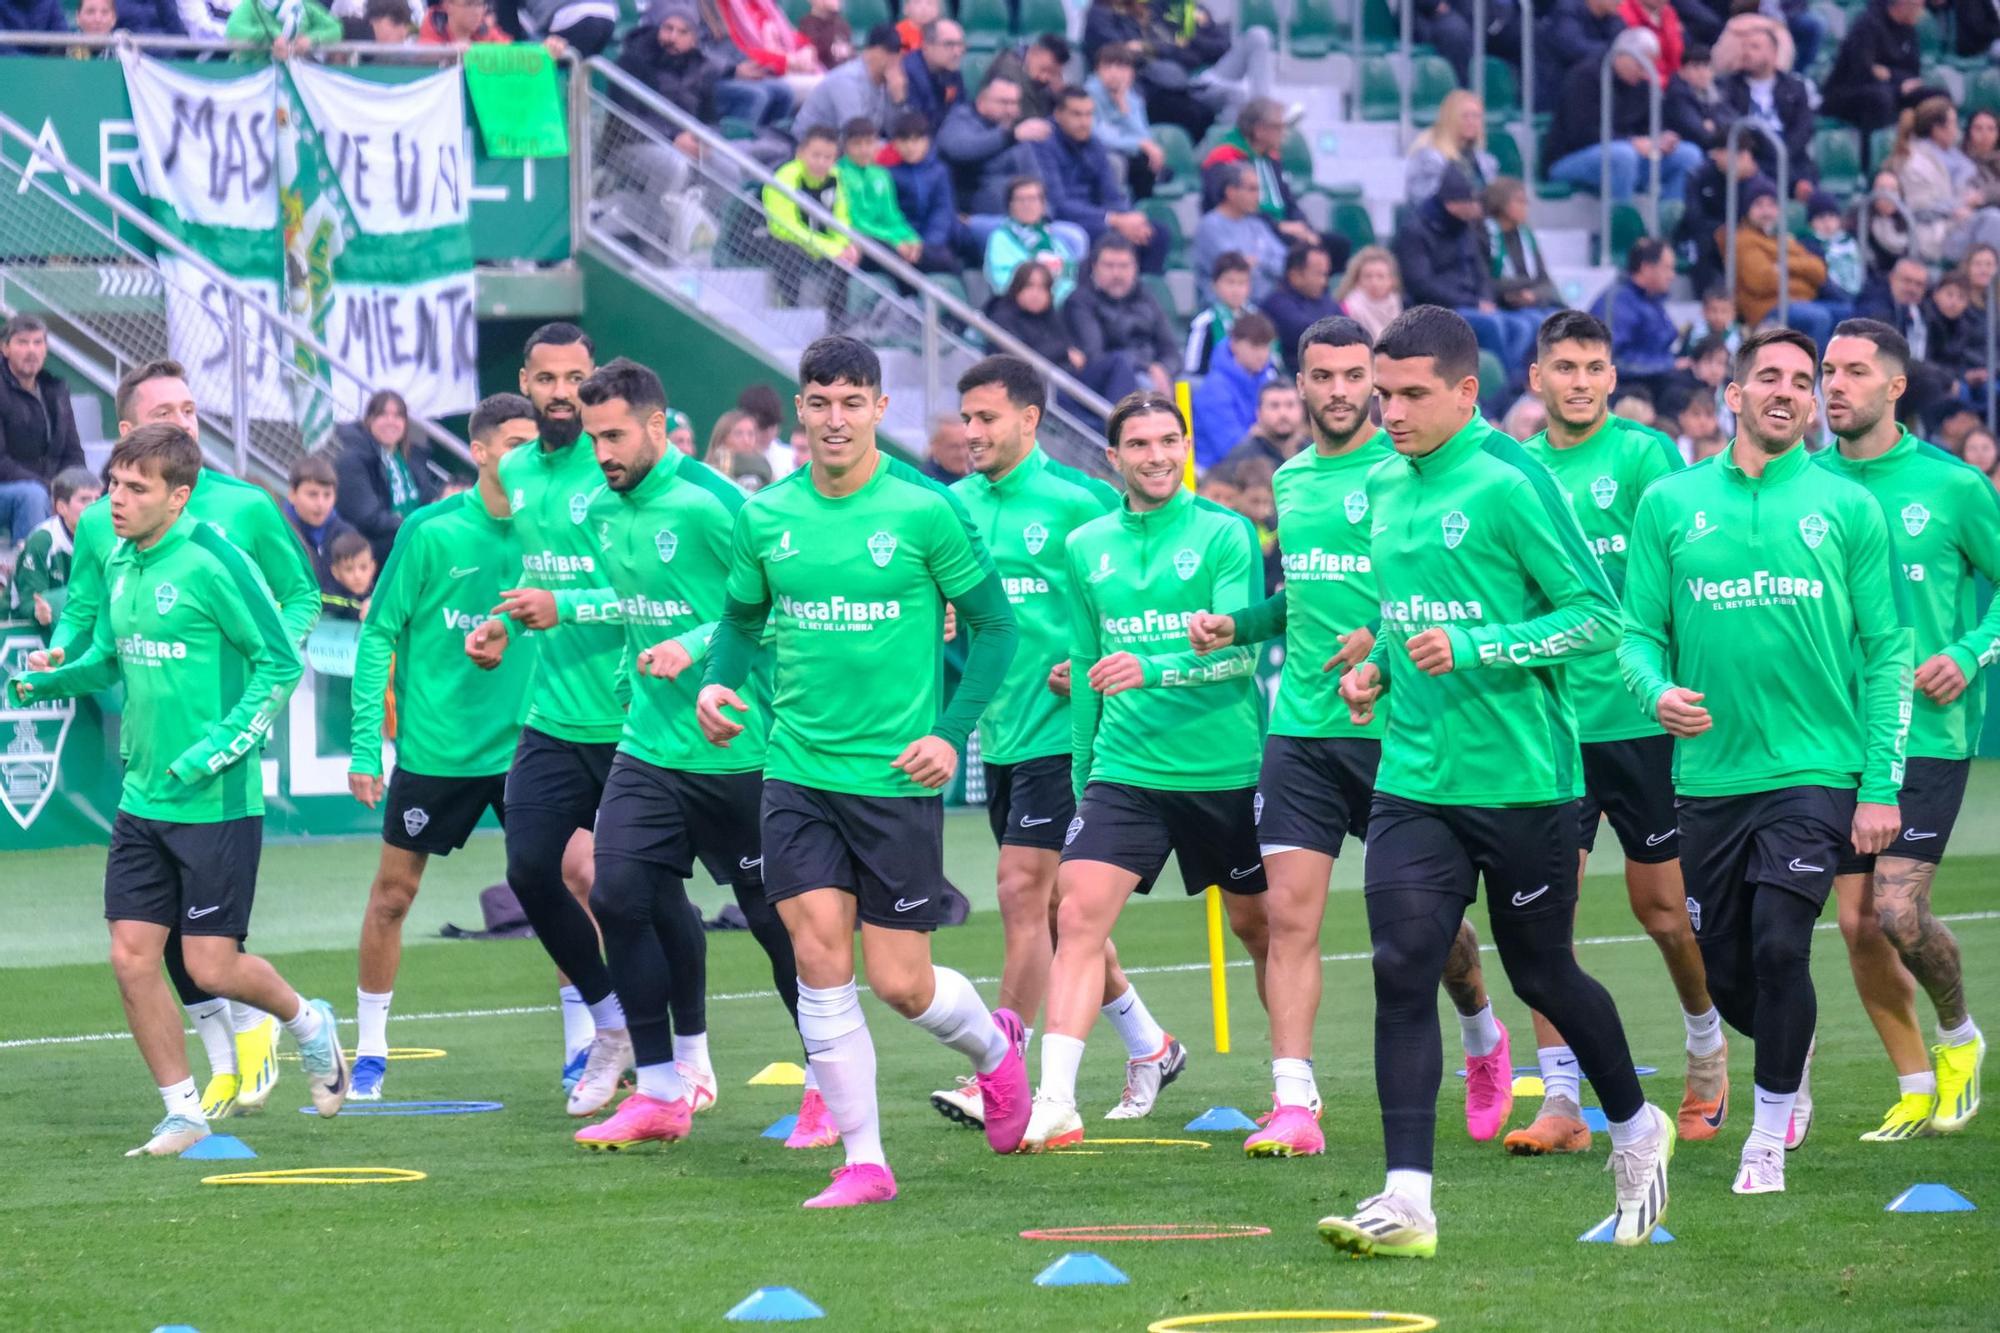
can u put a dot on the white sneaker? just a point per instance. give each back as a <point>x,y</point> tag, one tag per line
<point>1145,1078</point>
<point>1762,1172</point>
<point>172,1137</point>
<point>610,1057</point>
<point>1639,1176</point>
<point>701,1085</point>
<point>1802,1110</point>
<point>1387,1226</point>
<point>1051,1124</point>
<point>963,1104</point>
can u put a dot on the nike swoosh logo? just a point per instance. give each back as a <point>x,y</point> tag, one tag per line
<point>905,905</point>
<point>1243,874</point>
<point>783,553</point>
<point>1378,529</point>
<point>1655,839</point>
<point>1911,835</point>
<point>747,864</point>
<point>458,573</point>
<point>1030,823</point>
<point>1696,534</point>
<point>197,914</point>
<point>1564,1064</point>
<point>1801,868</point>
<point>1721,1111</point>
<point>1523,899</point>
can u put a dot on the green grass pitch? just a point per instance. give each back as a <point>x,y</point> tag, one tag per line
<point>516,1227</point>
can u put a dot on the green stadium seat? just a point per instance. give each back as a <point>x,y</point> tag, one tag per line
<point>1506,150</point>
<point>796,9</point>
<point>1181,161</point>
<point>1040,16</point>
<point>1381,96</point>
<point>1163,217</point>
<point>1351,219</point>
<point>1295,158</point>
<point>1503,92</point>
<point>1982,92</point>
<point>1628,227</point>
<point>1838,157</point>
<point>1432,81</point>
<point>1554,190</point>
<point>1163,292</point>
<point>1259,14</point>
<point>1314,31</point>
<point>1381,30</point>
<point>987,24</point>
<point>1492,376</point>
<point>1880,144</point>
<point>1671,213</point>
<point>865,14</point>
<point>974,69</point>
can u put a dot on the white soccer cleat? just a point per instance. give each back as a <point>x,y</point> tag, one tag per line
<point>324,1063</point>
<point>1762,1171</point>
<point>172,1137</point>
<point>1639,1176</point>
<point>1051,1124</point>
<point>701,1085</point>
<point>610,1057</point>
<point>1802,1109</point>
<point>1145,1078</point>
<point>962,1104</point>
<point>1387,1226</point>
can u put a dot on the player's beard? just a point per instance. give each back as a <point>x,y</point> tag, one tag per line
<point>559,432</point>
<point>1323,423</point>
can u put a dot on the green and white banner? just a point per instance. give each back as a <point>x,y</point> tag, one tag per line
<point>341,200</point>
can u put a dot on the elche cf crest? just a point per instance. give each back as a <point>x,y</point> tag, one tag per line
<point>1034,537</point>
<point>881,549</point>
<point>1455,526</point>
<point>666,543</point>
<point>1915,516</point>
<point>1813,528</point>
<point>31,737</point>
<point>1186,561</point>
<point>415,819</point>
<point>1356,505</point>
<point>579,506</point>
<point>164,597</point>
<point>1604,490</point>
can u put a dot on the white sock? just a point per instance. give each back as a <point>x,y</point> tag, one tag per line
<point>181,1099</point>
<point>1480,1032</point>
<point>578,1029</point>
<point>1559,1074</point>
<point>1771,1118</point>
<point>1027,1037</point>
<point>371,1016</point>
<point>1959,1035</point>
<point>304,1026</point>
<point>211,1024</point>
<point>692,1049</point>
<point>1704,1031</point>
<point>1061,1058</point>
<point>1626,1133</point>
<point>1143,1037</point>
<point>812,1077</point>
<point>607,1015</point>
<point>1925,1083</point>
<point>1294,1080</point>
<point>662,1082</point>
<point>1412,1185</point>
<point>836,1037</point>
<point>245,1017</point>
<point>960,1019</point>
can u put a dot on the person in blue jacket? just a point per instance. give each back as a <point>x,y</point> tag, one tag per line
<point>1644,340</point>
<point>1082,186</point>
<point>923,192</point>
<point>1225,402</point>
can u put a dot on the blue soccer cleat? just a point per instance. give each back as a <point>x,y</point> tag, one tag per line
<point>365,1080</point>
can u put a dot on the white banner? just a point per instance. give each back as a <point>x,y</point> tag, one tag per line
<point>399,150</point>
<point>209,146</point>
<point>420,339</point>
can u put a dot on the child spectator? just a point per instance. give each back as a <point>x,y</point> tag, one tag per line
<point>791,232</point>
<point>870,195</point>
<point>389,21</point>
<point>309,507</point>
<point>1028,236</point>
<point>1699,426</point>
<point>42,570</point>
<point>1225,403</point>
<point>1957,333</point>
<point>1229,284</point>
<point>828,30</point>
<point>1371,291</point>
<point>1718,321</point>
<point>680,430</point>
<point>1841,251</point>
<point>1634,404</point>
<point>923,191</point>
<point>352,561</point>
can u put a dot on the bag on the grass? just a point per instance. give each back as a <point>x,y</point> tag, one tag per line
<point>504,918</point>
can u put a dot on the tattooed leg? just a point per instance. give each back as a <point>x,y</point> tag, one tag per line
<point>1887,991</point>
<point>1463,980</point>
<point>1925,944</point>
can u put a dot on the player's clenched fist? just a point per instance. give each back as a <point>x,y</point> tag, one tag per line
<point>1359,689</point>
<point>1116,674</point>
<point>487,644</point>
<point>1430,652</point>
<point>1681,713</point>
<point>1209,630</point>
<point>708,706</point>
<point>665,660</point>
<point>929,760</point>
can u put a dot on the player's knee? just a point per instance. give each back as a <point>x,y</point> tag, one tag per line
<point>1781,954</point>
<point>131,963</point>
<point>908,992</point>
<point>211,971</point>
<point>1076,931</point>
<point>1899,921</point>
<point>618,896</point>
<point>1023,897</point>
<point>390,898</point>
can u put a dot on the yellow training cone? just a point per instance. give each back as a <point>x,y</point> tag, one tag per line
<point>783,1074</point>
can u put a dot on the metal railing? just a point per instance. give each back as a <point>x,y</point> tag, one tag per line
<point>125,291</point>
<point>1863,209</point>
<point>692,227</point>
<point>1732,145</point>
<point>1606,77</point>
<point>1992,353</point>
<point>1529,146</point>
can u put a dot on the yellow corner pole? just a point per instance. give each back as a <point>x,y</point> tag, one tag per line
<point>1218,977</point>
<point>1184,399</point>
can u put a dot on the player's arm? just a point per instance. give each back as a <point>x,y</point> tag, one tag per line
<point>76,625</point>
<point>249,621</point>
<point>1583,615</point>
<point>1642,642</point>
<point>381,629</point>
<point>1888,654</point>
<point>732,649</point>
<point>1085,649</point>
<point>588,606</point>
<point>1210,630</point>
<point>96,668</point>
<point>1979,646</point>
<point>1237,584</point>
<point>958,562</point>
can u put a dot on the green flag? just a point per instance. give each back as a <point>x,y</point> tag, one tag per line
<point>517,100</point>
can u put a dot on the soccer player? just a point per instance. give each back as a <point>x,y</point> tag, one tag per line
<point>1604,464</point>
<point>1318,774</point>
<point>456,725</point>
<point>1485,584</point>
<point>240,1041</point>
<point>554,492</point>
<point>670,798</point>
<point>207,664</point>
<point>851,561</point>
<point>1759,602</point>
<point>1944,522</point>
<point>1024,505</point>
<point>1163,741</point>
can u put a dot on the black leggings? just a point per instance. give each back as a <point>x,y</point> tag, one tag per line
<point>536,839</point>
<point>1761,982</point>
<point>1412,930</point>
<point>190,994</point>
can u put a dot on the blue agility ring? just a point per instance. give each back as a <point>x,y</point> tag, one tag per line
<point>411,1108</point>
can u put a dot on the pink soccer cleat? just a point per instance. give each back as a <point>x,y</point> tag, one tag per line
<point>1289,1131</point>
<point>855,1184</point>
<point>1004,1093</point>
<point>815,1128</point>
<point>1489,1089</point>
<point>639,1119</point>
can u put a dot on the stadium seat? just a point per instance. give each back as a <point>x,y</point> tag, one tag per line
<point>1163,292</point>
<point>974,69</point>
<point>1839,159</point>
<point>1628,226</point>
<point>1492,377</point>
<point>1259,14</point>
<point>1431,81</point>
<point>1181,161</point>
<point>1506,150</point>
<point>796,10</point>
<point>1351,219</point>
<point>1381,95</point>
<point>1503,92</point>
<point>1162,215</point>
<point>987,24</point>
<point>1381,30</point>
<point>1295,158</point>
<point>865,14</point>
<point>1982,93</point>
<point>1314,31</point>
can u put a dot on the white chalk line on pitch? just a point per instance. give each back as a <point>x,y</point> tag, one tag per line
<point>441,1015</point>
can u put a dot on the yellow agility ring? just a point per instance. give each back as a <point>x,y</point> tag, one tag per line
<point>1089,1145</point>
<point>395,1053</point>
<point>1388,1321</point>
<point>319,1175</point>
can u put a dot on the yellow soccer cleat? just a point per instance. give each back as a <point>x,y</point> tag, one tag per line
<point>1958,1083</point>
<point>1387,1226</point>
<point>218,1099</point>
<point>1909,1118</point>
<point>256,1065</point>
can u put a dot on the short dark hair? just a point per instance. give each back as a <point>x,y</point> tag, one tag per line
<point>1020,183</point>
<point>838,359</point>
<point>761,401</point>
<point>558,333</point>
<point>1706,346</point>
<point>1229,261</point>
<point>860,127</point>
<point>1746,355</point>
<point>1144,403</point>
<point>1295,258</point>
<point>1055,44</point>
<point>1024,385</point>
<point>1334,331</point>
<point>163,369</point>
<point>314,468</point>
<point>1646,250</point>
<point>160,447</point>
<point>20,324</point>
<point>388,9</point>
<point>1070,92</point>
<point>1432,331</point>
<point>1890,346</point>
<point>816,132</point>
<point>1697,53</point>
<point>909,125</point>
<point>1718,292</point>
<point>1279,385</point>
<point>346,546</point>
<point>1110,242</point>
<point>495,411</point>
<point>1117,53</point>
<point>71,480</point>
<point>1575,326</point>
<point>622,377</point>
<point>1255,328</point>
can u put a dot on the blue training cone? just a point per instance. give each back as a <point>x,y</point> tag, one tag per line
<point>1081,1269</point>
<point>1601,1233</point>
<point>176,1328</point>
<point>1594,1121</point>
<point>782,1128</point>
<point>774,1305</point>
<point>1221,1120</point>
<point>219,1148</point>
<point>1931,1199</point>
